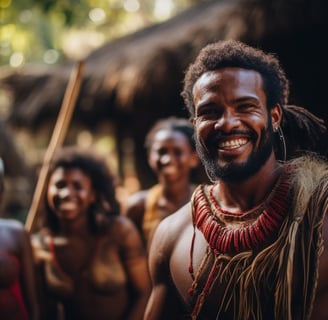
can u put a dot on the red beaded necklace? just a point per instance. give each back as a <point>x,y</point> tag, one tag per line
<point>249,229</point>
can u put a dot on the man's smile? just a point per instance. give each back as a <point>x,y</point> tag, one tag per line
<point>232,143</point>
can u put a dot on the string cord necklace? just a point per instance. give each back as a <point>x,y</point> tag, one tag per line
<point>228,232</point>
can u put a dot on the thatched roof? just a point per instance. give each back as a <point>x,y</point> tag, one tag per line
<point>142,72</point>
<point>19,177</point>
<point>15,164</point>
<point>138,78</point>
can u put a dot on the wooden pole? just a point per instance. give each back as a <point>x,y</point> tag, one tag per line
<point>57,138</point>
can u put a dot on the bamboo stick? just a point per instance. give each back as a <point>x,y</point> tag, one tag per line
<point>57,138</point>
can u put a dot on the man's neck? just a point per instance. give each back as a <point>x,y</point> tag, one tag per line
<point>243,196</point>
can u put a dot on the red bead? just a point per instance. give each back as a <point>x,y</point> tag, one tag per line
<point>225,240</point>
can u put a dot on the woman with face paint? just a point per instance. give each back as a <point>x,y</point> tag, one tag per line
<point>91,258</point>
<point>172,157</point>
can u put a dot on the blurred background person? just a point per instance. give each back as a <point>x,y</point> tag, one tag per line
<point>18,296</point>
<point>173,158</point>
<point>92,260</point>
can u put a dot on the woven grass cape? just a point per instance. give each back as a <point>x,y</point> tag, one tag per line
<point>251,276</point>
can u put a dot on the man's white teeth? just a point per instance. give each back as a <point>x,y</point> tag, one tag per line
<point>231,144</point>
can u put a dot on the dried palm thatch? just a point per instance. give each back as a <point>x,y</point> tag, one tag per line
<point>138,78</point>
<point>145,68</point>
<point>14,162</point>
<point>19,177</point>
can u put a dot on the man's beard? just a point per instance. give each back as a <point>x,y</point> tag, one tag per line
<point>236,172</point>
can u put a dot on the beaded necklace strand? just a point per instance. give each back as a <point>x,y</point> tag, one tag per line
<point>256,226</point>
<point>224,237</point>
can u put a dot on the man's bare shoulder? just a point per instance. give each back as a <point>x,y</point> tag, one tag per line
<point>171,228</point>
<point>178,219</point>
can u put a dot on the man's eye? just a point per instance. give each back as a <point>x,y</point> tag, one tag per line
<point>206,113</point>
<point>245,107</point>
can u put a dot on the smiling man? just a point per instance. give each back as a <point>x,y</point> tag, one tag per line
<point>252,244</point>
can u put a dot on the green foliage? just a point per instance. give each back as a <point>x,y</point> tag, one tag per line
<point>34,29</point>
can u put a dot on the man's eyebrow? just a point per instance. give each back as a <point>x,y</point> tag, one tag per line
<point>247,98</point>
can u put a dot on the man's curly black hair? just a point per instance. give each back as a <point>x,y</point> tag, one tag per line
<point>303,131</point>
<point>232,53</point>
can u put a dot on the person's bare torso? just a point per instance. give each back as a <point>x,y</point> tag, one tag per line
<point>88,276</point>
<point>182,280</point>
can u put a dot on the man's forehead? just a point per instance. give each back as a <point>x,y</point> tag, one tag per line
<point>229,77</point>
<point>231,72</point>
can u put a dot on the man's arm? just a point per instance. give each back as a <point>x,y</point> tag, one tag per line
<point>160,304</point>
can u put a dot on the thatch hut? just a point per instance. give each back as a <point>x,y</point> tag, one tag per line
<point>19,176</point>
<point>137,79</point>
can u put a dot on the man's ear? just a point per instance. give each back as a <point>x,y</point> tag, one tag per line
<point>276,116</point>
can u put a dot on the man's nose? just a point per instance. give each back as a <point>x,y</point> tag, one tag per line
<point>227,121</point>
